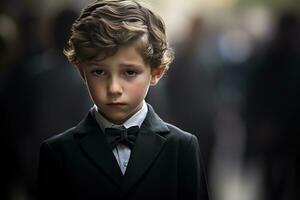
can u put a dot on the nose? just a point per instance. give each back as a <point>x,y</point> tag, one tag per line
<point>114,86</point>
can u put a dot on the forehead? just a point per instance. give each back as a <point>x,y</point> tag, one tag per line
<point>126,55</point>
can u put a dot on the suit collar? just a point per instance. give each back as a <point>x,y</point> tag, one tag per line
<point>92,141</point>
<point>153,122</point>
<point>149,144</point>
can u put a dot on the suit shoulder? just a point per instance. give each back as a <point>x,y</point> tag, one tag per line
<point>180,134</point>
<point>61,137</point>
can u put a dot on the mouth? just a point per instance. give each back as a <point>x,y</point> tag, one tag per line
<point>116,104</point>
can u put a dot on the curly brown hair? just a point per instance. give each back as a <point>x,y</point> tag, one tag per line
<point>106,25</point>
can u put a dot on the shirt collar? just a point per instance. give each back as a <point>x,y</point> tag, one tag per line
<point>135,120</point>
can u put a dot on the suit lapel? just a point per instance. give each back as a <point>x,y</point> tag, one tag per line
<point>92,141</point>
<point>147,148</point>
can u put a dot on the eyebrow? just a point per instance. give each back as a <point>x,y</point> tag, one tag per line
<point>131,65</point>
<point>123,65</point>
<point>95,64</point>
<point>99,62</point>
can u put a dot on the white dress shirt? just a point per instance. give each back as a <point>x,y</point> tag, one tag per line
<point>122,152</point>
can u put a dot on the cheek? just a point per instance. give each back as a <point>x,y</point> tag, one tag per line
<point>96,89</point>
<point>138,90</point>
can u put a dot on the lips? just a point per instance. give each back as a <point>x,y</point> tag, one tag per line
<point>116,104</point>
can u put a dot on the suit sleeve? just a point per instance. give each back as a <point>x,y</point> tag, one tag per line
<point>50,177</point>
<point>192,181</point>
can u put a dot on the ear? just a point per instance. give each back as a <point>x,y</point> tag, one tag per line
<point>156,74</point>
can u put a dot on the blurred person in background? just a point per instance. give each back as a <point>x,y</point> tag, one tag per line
<point>54,105</point>
<point>9,56</point>
<point>193,109</point>
<point>34,106</point>
<point>272,112</point>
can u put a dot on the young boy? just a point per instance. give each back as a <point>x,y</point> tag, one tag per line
<point>121,149</point>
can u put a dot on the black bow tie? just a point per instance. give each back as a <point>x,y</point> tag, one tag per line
<point>117,136</point>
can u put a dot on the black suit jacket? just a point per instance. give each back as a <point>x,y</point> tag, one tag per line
<point>164,164</point>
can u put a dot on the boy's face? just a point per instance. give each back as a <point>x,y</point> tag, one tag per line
<point>119,84</point>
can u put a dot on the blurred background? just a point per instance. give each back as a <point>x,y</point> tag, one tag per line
<point>234,83</point>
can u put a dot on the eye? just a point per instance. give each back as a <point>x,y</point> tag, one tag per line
<point>130,73</point>
<point>98,72</point>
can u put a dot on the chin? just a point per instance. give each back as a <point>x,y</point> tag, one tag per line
<point>118,119</point>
